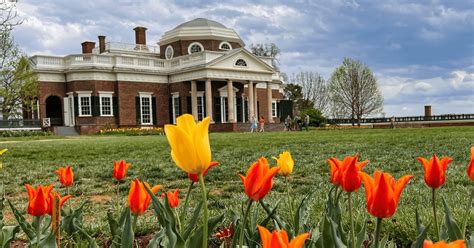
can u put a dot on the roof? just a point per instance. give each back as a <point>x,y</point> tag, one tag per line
<point>201,22</point>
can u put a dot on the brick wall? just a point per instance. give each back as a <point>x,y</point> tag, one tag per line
<point>47,89</point>
<point>180,47</point>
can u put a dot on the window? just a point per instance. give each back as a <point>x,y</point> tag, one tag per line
<point>224,113</point>
<point>274,109</point>
<point>175,107</point>
<point>145,109</point>
<point>225,46</point>
<point>84,104</point>
<point>240,62</point>
<point>195,47</point>
<point>106,104</point>
<point>169,52</point>
<point>200,107</point>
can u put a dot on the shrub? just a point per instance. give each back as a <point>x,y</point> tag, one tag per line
<point>315,116</point>
<point>24,133</point>
<point>132,131</point>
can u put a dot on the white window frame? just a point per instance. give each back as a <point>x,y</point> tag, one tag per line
<point>142,96</point>
<point>241,66</point>
<point>174,95</point>
<point>166,53</point>
<point>86,94</point>
<point>195,43</point>
<point>200,99</point>
<point>227,43</point>
<point>274,108</point>
<point>223,94</point>
<point>106,95</point>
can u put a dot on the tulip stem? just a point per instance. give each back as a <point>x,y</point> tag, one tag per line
<point>135,220</point>
<point>290,202</point>
<point>433,197</point>
<point>271,214</point>
<point>185,207</point>
<point>37,222</point>
<point>206,213</point>
<point>378,228</point>
<point>352,221</point>
<point>466,214</point>
<point>244,223</point>
<point>177,218</point>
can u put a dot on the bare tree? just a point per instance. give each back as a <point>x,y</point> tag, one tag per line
<point>267,50</point>
<point>314,89</point>
<point>8,15</point>
<point>354,91</point>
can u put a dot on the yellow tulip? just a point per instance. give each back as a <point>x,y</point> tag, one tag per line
<point>190,148</point>
<point>285,163</point>
<point>3,151</point>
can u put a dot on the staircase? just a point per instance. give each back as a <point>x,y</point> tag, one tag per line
<point>65,131</point>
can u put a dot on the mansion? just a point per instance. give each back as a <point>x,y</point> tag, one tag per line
<point>200,67</point>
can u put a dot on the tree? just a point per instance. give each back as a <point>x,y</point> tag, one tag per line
<point>18,84</point>
<point>267,50</point>
<point>314,90</point>
<point>354,91</point>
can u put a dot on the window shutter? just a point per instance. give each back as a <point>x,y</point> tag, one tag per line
<point>170,109</point>
<point>153,110</point>
<point>278,110</point>
<point>115,106</point>
<point>76,107</point>
<point>246,104</point>
<point>137,110</point>
<point>95,105</point>
<point>257,115</point>
<point>180,107</point>
<point>239,109</point>
<point>217,109</point>
<point>189,106</point>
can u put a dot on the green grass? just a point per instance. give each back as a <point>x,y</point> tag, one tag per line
<point>394,151</point>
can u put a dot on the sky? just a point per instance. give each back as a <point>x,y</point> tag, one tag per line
<point>422,52</point>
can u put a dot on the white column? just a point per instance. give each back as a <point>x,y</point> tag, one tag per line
<point>251,103</point>
<point>230,101</point>
<point>269,102</point>
<point>255,105</point>
<point>209,99</point>
<point>194,108</point>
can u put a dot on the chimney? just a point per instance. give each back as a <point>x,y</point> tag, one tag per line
<point>101,43</point>
<point>87,47</point>
<point>427,112</point>
<point>140,35</point>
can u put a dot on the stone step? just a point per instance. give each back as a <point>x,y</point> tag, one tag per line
<point>66,131</point>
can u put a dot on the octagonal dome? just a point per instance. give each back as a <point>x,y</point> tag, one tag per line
<point>201,29</point>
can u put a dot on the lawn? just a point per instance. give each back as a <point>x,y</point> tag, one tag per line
<point>394,151</point>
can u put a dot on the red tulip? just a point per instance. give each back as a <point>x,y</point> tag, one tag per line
<point>345,173</point>
<point>258,181</point>
<point>120,169</point>
<point>66,176</point>
<point>280,239</point>
<point>195,177</point>
<point>138,197</point>
<point>62,200</point>
<point>38,199</point>
<point>470,167</point>
<point>442,244</point>
<point>173,199</point>
<point>435,170</point>
<point>383,193</point>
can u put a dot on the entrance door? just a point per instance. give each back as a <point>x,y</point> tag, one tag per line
<point>54,110</point>
<point>69,111</point>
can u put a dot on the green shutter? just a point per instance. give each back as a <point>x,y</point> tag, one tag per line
<point>76,107</point>
<point>115,105</point>
<point>137,110</point>
<point>189,106</point>
<point>170,109</point>
<point>95,105</point>
<point>153,109</point>
<point>217,109</point>
<point>239,109</point>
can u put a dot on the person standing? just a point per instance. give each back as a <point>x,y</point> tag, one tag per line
<point>306,122</point>
<point>288,123</point>
<point>253,124</point>
<point>262,124</point>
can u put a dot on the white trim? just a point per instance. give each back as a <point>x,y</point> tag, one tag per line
<point>166,52</point>
<point>203,114</point>
<point>84,92</point>
<point>195,43</point>
<point>80,95</point>
<point>276,108</point>
<point>142,96</point>
<point>105,92</point>
<point>174,95</point>
<point>102,94</point>
<point>227,43</point>
<point>145,93</point>
<point>241,66</point>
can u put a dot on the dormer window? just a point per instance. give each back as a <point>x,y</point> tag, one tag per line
<point>225,46</point>
<point>195,47</point>
<point>240,62</point>
<point>169,52</point>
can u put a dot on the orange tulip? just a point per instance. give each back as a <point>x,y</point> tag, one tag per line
<point>470,167</point>
<point>138,197</point>
<point>173,199</point>
<point>62,200</point>
<point>195,177</point>
<point>383,193</point>
<point>442,244</point>
<point>258,181</point>
<point>120,169</point>
<point>280,239</point>
<point>66,176</point>
<point>38,199</point>
<point>345,173</point>
<point>435,170</point>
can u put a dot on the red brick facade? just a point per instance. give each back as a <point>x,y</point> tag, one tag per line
<point>180,47</point>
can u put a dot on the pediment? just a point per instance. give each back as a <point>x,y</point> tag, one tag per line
<point>252,62</point>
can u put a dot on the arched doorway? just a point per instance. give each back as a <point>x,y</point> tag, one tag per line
<point>54,111</point>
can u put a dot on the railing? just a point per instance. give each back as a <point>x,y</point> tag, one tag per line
<point>18,123</point>
<point>448,117</point>
<point>131,47</point>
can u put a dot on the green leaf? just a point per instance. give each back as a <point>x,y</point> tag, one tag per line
<point>196,238</point>
<point>422,232</point>
<point>330,236</point>
<point>26,227</point>
<point>301,215</point>
<point>49,241</point>
<point>8,235</point>
<point>127,232</point>
<point>90,239</point>
<point>453,230</point>
<point>68,220</point>
<point>361,235</point>
<point>193,221</point>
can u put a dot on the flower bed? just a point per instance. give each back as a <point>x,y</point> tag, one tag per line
<point>132,131</point>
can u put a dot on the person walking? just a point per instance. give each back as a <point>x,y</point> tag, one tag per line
<point>261,121</point>
<point>288,123</point>
<point>253,124</point>
<point>306,122</point>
